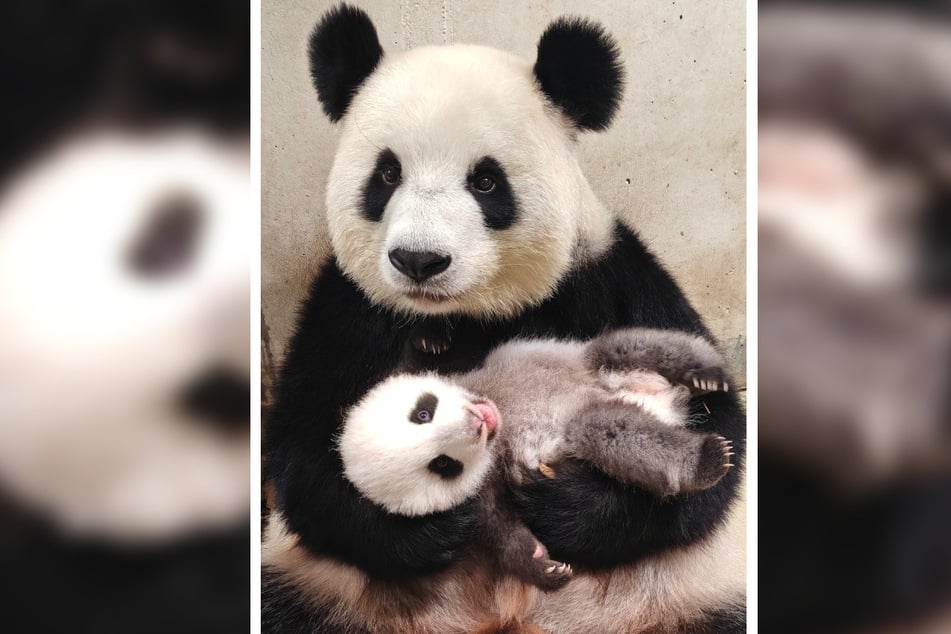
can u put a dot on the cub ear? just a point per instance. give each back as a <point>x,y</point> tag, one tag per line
<point>579,69</point>
<point>343,50</point>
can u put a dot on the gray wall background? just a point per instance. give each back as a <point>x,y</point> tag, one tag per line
<point>672,165</point>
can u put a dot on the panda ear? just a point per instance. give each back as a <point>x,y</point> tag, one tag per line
<point>579,69</point>
<point>343,51</point>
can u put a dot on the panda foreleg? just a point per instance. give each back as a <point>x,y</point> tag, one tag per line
<point>679,357</point>
<point>626,443</point>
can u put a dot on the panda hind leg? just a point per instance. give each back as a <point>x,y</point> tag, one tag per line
<point>516,549</point>
<point>525,558</point>
<point>679,357</point>
<point>629,445</point>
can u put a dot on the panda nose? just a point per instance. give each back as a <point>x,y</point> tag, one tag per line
<point>419,265</point>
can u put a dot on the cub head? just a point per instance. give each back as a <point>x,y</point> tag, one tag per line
<point>456,187</point>
<point>418,444</point>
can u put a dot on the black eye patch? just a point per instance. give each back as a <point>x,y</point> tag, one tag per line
<point>490,187</point>
<point>445,467</point>
<point>424,411</point>
<point>380,185</point>
<point>169,242</point>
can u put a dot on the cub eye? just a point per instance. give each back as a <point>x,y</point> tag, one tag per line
<point>169,242</point>
<point>390,174</point>
<point>424,409</point>
<point>483,184</point>
<point>445,467</point>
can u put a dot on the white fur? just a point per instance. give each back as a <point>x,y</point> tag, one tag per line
<point>385,455</point>
<point>477,102</point>
<point>93,356</point>
<point>650,391</point>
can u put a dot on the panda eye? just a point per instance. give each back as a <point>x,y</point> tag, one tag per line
<point>483,184</point>
<point>169,242</point>
<point>446,467</point>
<point>390,174</point>
<point>424,409</point>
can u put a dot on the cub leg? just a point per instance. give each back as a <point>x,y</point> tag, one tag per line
<point>628,444</point>
<point>517,551</point>
<point>679,357</point>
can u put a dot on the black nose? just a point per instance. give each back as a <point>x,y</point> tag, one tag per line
<point>419,265</point>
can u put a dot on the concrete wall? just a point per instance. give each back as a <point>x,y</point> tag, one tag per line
<point>672,165</point>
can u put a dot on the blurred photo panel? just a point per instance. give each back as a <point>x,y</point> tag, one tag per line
<point>125,224</point>
<point>855,317</point>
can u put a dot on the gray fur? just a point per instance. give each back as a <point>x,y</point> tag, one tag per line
<point>566,399</point>
<point>669,460</point>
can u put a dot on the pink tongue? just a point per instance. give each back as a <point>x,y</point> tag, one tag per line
<point>488,416</point>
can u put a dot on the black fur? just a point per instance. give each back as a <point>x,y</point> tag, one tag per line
<point>343,51</point>
<point>169,242</point>
<point>344,345</point>
<point>53,582</point>
<point>376,192</point>
<point>873,559</point>
<point>218,396</point>
<point>445,467</point>
<point>579,69</point>
<point>426,402</point>
<point>499,208</point>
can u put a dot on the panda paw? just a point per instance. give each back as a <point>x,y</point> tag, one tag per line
<point>432,344</point>
<point>714,461</point>
<point>704,380</point>
<point>550,575</point>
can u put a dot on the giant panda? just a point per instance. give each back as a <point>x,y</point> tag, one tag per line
<point>460,219</point>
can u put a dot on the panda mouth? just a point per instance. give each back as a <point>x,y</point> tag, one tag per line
<point>427,296</point>
<point>485,417</point>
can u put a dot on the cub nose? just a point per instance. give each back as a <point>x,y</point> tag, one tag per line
<point>419,265</point>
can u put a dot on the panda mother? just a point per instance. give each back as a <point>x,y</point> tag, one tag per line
<point>459,219</point>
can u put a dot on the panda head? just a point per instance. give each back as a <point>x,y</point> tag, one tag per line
<point>456,187</point>
<point>418,444</point>
<point>124,330</point>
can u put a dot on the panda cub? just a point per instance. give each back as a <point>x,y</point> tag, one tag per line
<point>420,444</point>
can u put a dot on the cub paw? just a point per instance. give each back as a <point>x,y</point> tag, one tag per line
<point>550,575</point>
<point>703,380</point>
<point>714,460</point>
